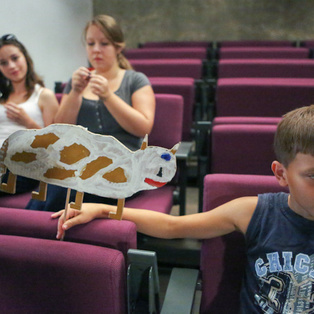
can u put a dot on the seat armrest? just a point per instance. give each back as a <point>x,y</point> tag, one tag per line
<point>142,282</point>
<point>203,153</point>
<point>182,156</point>
<point>184,150</point>
<point>180,291</point>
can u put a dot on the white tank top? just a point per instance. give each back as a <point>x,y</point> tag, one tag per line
<point>30,106</point>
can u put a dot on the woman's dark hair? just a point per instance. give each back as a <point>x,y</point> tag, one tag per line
<point>31,77</point>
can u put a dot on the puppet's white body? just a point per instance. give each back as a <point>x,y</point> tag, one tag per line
<point>72,157</point>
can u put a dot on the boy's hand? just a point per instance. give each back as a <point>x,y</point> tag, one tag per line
<point>88,212</point>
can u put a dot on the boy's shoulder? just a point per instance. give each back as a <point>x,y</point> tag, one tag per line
<point>244,208</point>
<point>241,210</point>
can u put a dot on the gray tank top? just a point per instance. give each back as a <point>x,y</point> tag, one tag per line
<point>96,118</point>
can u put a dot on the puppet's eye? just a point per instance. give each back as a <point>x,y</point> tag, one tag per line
<point>166,156</point>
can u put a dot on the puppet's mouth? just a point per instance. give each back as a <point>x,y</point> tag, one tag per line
<point>154,183</point>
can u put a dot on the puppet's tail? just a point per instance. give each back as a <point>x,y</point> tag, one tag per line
<point>3,153</point>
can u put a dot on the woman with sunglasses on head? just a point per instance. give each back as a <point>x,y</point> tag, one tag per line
<point>110,98</point>
<point>24,101</point>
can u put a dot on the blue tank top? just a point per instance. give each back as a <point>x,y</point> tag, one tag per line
<point>279,276</point>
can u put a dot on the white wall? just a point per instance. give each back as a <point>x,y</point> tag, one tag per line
<point>51,30</point>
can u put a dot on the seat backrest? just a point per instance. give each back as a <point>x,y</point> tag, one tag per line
<point>166,132</point>
<point>255,43</point>
<point>307,43</point>
<point>167,53</point>
<point>242,148</point>
<point>263,52</point>
<point>59,97</point>
<point>155,44</point>
<point>16,200</point>
<point>45,276</point>
<point>179,86</point>
<point>293,68</point>
<point>119,235</point>
<point>246,120</point>
<point>268,97</point>
<point>223,258</point>
<point>168,124</point>
<point>169,67</point>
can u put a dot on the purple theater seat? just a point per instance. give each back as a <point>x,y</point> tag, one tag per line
<point>246,120</point>
<point>15,200</point>
<point>263,53</point>
<point>307,43</point>
<point>45,276</point>
<point>159,200</point>
<point>59,97</point>
<point>167,131</point>
<point>169,67</point>
<point>255,43</point>
<point>242,148</point>
<point>223,258</point>
<point>119,235</point>
<point>179,86</point>
<point>268,97</point>
<point>294,68</point>
<point>167,53</point>
<point>160,44</point>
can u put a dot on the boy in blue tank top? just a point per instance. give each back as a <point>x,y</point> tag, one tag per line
<point>279,228</point>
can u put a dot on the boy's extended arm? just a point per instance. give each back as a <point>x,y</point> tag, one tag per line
<point>234,215</point>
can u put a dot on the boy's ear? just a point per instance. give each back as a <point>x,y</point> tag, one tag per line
<point>279,171</point>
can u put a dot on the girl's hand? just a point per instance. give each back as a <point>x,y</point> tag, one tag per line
<point>80,79</point>
<point>99,86</point>
<point>18,115</point>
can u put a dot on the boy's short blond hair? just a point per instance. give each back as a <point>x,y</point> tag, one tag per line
<point>295,134</point>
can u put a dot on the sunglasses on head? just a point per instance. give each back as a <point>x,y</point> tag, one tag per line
<point>8,37</point>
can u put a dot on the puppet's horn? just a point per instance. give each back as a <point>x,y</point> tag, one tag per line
<point>145,142</point>
<point>175,148</point>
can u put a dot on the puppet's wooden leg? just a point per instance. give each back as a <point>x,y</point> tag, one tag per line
<point>42,193</point>
<point>118,214</point>
<point>66,210</point>
<point>78,201</point>
<point>10,186</point>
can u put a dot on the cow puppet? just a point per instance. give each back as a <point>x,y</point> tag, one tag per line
<point>72,157</point>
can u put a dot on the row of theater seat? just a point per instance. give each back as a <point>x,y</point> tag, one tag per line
<point>229,43</point>
<point>265,95</point>
<point>42,275</point>
<point>227,49</point>
<point>231,141</point>
<point>88,271</point>
<point>220,54</point>
<point>247,105</point>
<point>272,61</point>
<point>259,91</point>
<point>250,97</point>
